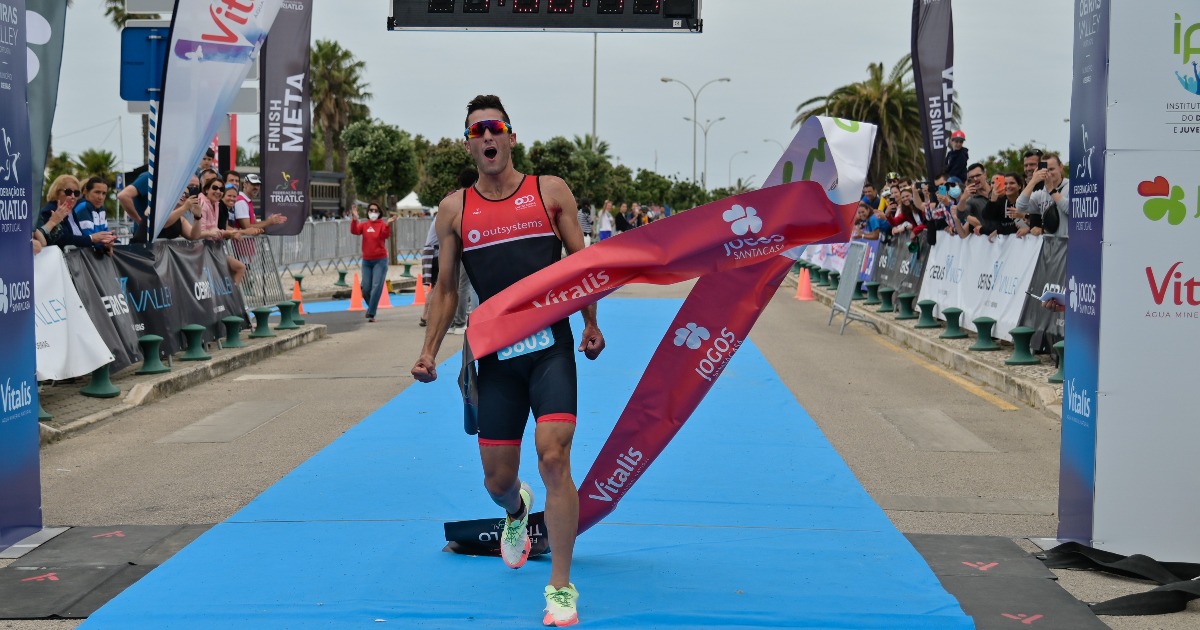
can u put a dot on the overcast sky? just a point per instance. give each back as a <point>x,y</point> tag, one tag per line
<point>1012,70</point>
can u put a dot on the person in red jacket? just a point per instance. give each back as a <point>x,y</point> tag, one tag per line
<point>375,233</point>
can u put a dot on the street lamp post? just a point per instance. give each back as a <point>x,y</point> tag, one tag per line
<point>782,149</point>
<point>695,100</point>
<point>731,166</point>
<point>707,125</point>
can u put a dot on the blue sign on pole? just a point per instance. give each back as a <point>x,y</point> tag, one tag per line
<point>143,56</point>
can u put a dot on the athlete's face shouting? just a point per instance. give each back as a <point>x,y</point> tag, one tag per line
<point>490,151</point>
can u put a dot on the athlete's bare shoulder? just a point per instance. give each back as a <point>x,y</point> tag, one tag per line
<point>449,216</point>
<point>555,191</point>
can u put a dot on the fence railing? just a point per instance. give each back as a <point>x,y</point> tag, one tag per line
<point>325,245</point>
<point>261,285</point>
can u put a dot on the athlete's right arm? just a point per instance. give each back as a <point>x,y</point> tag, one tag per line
<point>444,299</point>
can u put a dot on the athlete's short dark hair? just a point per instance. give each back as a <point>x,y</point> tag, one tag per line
<point>485,101</point>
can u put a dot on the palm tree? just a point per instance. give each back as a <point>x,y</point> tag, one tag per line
<point>888,102</point>
<point>339,92</point>
<point>96,163</point>
<point>115,10</point>
<point>584,143</point>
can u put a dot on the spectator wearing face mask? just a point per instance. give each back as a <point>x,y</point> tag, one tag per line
<point>375,232</point>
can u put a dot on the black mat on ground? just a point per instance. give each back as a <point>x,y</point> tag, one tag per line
<point>1001,585</point>
<point>977,555</point>
<point>75,573</point>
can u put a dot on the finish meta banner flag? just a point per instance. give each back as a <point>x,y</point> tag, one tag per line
<point>213,44</point>
<point>20,480</point>
<point>740,248</point>
<point>285,123</point>
<point>933,65</point>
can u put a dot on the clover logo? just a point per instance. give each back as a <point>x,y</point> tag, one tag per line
<point>1071,289</point>
<point>1163,200</point>
<point>691,335</point>
<point>4,298</point>
<point>742,220</point>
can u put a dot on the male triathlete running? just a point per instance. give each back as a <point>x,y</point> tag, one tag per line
<point>504,228</point>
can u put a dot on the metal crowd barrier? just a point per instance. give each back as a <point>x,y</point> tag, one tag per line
<point>261,285</point>
<point>326,245</point>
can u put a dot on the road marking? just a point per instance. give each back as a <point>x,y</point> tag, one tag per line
<point>1000,403</point>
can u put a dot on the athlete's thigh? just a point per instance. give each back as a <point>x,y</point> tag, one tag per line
<point>553,393</point>
<point>503,401</point>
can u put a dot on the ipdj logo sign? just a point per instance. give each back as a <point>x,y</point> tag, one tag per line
<point>15,297</point>
<point>1165,201</point>
<point>742,220</point>
<point>1189,79</point>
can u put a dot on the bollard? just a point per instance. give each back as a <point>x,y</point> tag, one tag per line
<point>906,306</point>
<point>407,270</point>
<point>262,319</point>
<point>299,278</point>
<point>834,279</point>
<point>341,281</point>
<point>927,320</point>
<point>983,339</point>
<point>287,311</point>
<point>1021,354</point>
<point>100,386</point>
<point>1061,349</point>
<point>885,300</point>
<point>151,355</point>
<point>43,415</point>
<point>858,291</point>
<point>195,343</point>
<point>233,331</point>
<point>872,294</point>
<point>953,330</point>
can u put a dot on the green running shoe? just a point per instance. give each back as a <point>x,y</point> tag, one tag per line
<point>560,607</point>
<point>514,538</point>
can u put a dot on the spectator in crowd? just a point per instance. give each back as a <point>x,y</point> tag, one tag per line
<point>585,222</point>
<point>234,177</point>
<point>206,163</point>
<point>52,229</point>
<point>375,232</point>
<point>1045,198</point>
<point>907,217</point>
<point>1000,216</point>
<point>606,223</point>
<point>975,197</point>
<point>91,216</point>
<point>135,197</point>
<point>622,219</point>
<point>65,192</point>
<point>211,208</point>
<point>871,197</point>
<point>1030,162</point>
<point>957,158</point>
<point>243,209</point>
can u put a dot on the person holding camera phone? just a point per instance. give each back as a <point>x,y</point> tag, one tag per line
<point>1045,198</point>
<point>1000,216</point>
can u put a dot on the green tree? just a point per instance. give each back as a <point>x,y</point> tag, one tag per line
<point>439,171</point>
<point>96,163</point>
<point>685,195</point>
<point>738,187</point>
<point>339,95</point>
<point>650,187</point>
<point>554,157</point>
<point>584,143</point>
<point>890,103</point>
<point>620,186</point>
<point>1011,160</point>
<point>381,157</point>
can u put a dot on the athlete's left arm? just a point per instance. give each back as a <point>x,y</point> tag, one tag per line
<point>561,203</point>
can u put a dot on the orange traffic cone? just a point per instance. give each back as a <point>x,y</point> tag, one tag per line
<point>385,301</point>
<point>419,298</point>
<point>804,287</point>
<point>356,299</point>
<point>298,298</point>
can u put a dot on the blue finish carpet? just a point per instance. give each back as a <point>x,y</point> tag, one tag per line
<point>749,519</point>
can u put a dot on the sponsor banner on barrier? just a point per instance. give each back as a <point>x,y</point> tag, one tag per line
<point>150,292</point>
<point>68,344</point>
<point>833,257</point>
<point>1153,73</point>
<point>1149,339</point>
<point>20,480</point>
<point>1050,274</point>
<point>213,45</point>
<point>203,289</point>
<point>1089,131</point>
<point>899,263</point>
<point>285,123</point>
<point>983,278</point>
<point>101,292</point>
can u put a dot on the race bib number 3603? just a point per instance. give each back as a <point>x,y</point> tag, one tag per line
<point>537,341</point>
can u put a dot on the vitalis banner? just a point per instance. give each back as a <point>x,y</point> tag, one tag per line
<point>285,127</point>
<point>213,44</point>
<point>933,65</point>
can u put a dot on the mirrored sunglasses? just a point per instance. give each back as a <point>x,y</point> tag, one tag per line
<point>497,127</point>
